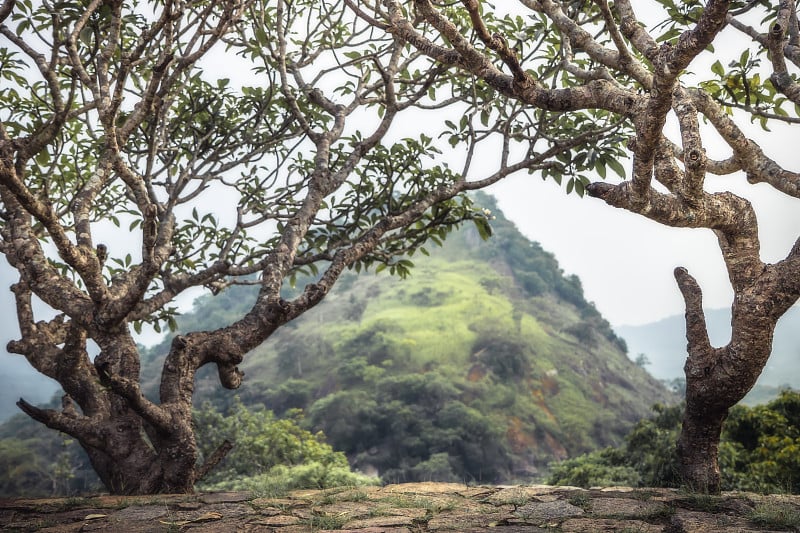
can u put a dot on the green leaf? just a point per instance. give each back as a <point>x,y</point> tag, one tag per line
<point>42,158</point>
<point>261,36</point>
<point>579,188</point>
<point>600,168</point>
<point>22,26</point>
<point>483,227</point>
<point>617,167</point>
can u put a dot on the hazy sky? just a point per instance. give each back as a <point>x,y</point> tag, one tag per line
<point>625,261</point>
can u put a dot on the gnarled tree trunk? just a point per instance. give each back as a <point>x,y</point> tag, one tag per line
<point>718,378</point>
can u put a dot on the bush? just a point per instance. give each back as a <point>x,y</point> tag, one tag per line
<point>263,446</point>
<point>291,394</point>
<point>762,448</point>
<point>436,468</point>
<point>602,468</point>
<point>506,358</point>
<point>759,451</point>
<point>281,479</point>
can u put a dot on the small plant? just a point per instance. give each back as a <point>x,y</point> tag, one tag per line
<point>326,521</point>
<point>380,510</point>
<point>581,499</point>
<point>518,500</point>
<point>656,512</point>
<point>782,515</point>
<point>73,502</point>
<point>702,501</point>
<point>418,502</point>
<point>643,495</point>
<point>411,502</point>
<point>355,496</point>
<point>340,494</point>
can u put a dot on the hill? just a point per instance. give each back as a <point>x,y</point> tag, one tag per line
<point>664,344</point>
<point>484,364</point>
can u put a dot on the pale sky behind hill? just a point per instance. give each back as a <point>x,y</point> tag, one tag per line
<point>625,261</point>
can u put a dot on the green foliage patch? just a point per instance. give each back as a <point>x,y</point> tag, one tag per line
<point>758,451</point>
<point>270,456</point>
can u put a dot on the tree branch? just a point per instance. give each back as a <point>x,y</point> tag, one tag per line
<point>776,43</point>
<point>212,461</point>
<point>5,9</point>
<point>83,428</point>
<point>759,167</point>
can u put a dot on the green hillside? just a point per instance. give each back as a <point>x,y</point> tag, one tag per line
<point>484,364</point>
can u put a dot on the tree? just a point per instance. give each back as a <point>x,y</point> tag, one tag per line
<point>591,74</point>
<point>131,172</point>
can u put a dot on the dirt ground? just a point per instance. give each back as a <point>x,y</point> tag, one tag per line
<point>414,507</point>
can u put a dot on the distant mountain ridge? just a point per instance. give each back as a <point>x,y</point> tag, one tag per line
<point>664,344</point>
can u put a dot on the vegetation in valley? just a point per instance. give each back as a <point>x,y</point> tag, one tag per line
<point>270,456</point>
<point>465,371</point>
<point>758,452</point>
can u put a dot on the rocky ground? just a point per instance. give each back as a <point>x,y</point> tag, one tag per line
<point>406,508</point>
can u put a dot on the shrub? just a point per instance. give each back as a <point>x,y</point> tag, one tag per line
<point>263,446</point>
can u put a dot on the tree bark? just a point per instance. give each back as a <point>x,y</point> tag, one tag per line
<point>718,378</point>
<point>698,447</point>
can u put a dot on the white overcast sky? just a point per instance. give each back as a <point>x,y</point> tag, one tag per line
<point>625,262</point>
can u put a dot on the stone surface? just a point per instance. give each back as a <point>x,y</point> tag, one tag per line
<point>412,508</point>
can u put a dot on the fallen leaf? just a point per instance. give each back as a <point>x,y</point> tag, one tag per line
<point>176,523</point>
<point>94,516</point>
<point>208,516</point>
